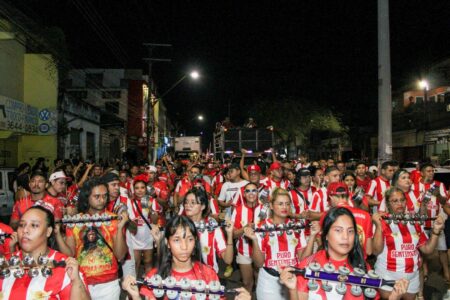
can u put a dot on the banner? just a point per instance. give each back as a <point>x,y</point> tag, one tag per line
<point>18,116</point>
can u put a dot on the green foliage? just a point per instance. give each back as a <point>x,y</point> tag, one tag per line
<point>294,119</point>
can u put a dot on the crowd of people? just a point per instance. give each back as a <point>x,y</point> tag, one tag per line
<point>120,229</point>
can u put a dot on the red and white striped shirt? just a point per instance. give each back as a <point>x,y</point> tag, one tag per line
<point>213,244</point>
<point>57,286</point>
<point>298,202</point>
<point>320,201</point>
<point>243,215</point>
<point>272,184</point>
<point>280,250</point>
<point>376,189</point>
<point>401,244</point>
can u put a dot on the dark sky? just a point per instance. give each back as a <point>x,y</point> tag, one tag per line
<point>253,50</point>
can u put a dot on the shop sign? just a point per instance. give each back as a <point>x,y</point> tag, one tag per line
<point>18,116</point>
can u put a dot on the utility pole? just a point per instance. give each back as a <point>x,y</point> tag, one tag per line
<point>151,122</point>
<point>384,85</point>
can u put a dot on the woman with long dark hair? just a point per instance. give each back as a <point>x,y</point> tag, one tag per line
<point>179,256</point>
<point>142,214</point>
<point>36,227</point>
<point>212,242</point>
<point>341,249</point>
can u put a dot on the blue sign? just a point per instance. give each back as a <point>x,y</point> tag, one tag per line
<point>44,128</point>
<point>44,114</point>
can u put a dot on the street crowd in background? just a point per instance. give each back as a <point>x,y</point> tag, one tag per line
<point>118,225</point>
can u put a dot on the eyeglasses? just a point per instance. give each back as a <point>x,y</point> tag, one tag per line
<point>398,201</point>
<point>251,191</point>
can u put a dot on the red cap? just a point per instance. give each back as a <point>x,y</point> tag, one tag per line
<point>223,166</point>
<point>337,188</point>
<point>253,168</point>
<point>275,166</point>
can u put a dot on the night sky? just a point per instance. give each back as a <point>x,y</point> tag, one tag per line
<point>247,51</point>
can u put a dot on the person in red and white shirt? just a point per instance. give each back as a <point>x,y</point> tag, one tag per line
<point>98,249</point>
<point>303,193</point>
<point>36,225</point>
<point>179,257</point>
<point>341,249</point>
<point>275,180</point>
<point>244,216</point>
<point>437,205</point>
<point>277,250</point>
<point>377,187</point>
<point>339,196</point>
<point>139,207</point>
<point>185,184</point>
<point>213,244</point>
<point>402,180</point>
<point>362,179</point>
<point>231,187</point>
<point>320,203</point>
<point>37,187</point>
<point>397,246</point>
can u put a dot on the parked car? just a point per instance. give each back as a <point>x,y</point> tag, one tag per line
<point>7,177</point>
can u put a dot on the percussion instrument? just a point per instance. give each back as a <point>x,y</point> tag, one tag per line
<point>288,228</point>
<point>185,288</point>
<point>209,225</point>
<point>406,218</point>
<point>360,281</point>
<point>96,220</point>
<point>28,266</point>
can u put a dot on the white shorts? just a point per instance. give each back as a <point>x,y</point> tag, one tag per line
<point>414,280</point>
<point>441,244</point>
<point>269,287</point>
<point>243,260</point>
<point>105,291</point>
<point>129,266</point>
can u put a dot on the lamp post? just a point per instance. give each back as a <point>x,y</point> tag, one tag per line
<point>152,130</point>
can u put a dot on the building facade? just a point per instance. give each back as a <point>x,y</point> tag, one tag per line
<point>28,102</point>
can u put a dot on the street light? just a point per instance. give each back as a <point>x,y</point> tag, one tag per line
<point>200,118</point>
<point>194,75</point>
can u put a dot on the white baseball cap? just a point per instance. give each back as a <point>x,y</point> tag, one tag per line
<point>151,169</point>
<point>58,175</point>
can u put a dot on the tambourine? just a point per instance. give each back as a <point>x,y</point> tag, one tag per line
<point>3,237</point>
<point>406,218</point>
<point>361,282</point>
<point>185,288</point>
<point>96,220</point>
<point>358,195</point>
<point>210,225</point>
<point>280,229</point>
<point>28,266</point>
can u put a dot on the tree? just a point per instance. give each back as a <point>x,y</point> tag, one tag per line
<point>294,119</point>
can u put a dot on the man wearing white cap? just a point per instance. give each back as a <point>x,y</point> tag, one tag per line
<point>58,186</point>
